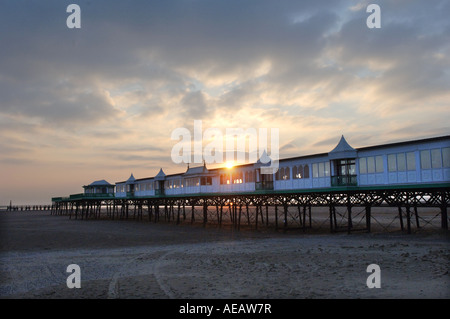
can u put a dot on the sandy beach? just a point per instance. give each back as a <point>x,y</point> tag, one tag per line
<point>132,259</point>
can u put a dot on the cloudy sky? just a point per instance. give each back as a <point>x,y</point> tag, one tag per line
<point>100,102</point>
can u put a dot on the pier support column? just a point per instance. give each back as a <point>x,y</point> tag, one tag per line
<point>205,213</point>
<point>400,216</point>
<point>349,212</point>
<point>444,216</point>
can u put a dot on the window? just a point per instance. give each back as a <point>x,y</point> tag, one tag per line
<point>411,161</point>
<point>300,172</point>
<point>327,169</point>
<point>192,182</point>
<point>285,173</point>
<point>237,178</point>
<point>297,172</point>
<point>371,164</point>
<point>446,156</point>
<point>224,179</point>
<point>344,167</point>
<point>392,163</point>
<point>401,162</point>
<point>249,176</point>
<point>176,183</point>
<point>206,181</point>
<point>425,160</point>
<point>282,173</point>
<point>363,165</point>
<point>306,171</point>
<point>436,160</point>
<point>321,169</point>
<point>315,170</point>
<point>379,164</point>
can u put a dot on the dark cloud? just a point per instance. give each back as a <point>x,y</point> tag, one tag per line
<point>194,105</point>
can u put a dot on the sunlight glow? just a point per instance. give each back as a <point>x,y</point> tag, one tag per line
<point>229,165</point>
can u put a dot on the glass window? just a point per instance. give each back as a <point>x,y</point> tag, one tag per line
<point>425,160</point>
<point>327,168</point>
<point>300,172</point>
<point>321,169</point>
<point>446,156</point>
<point>401,162</point>
<point>306,171</point>
<point>371,164</point>
<point>392,164</point>
<point>436,160</point>
<point>294,172</point>
<point>363,165</point>
<point>287,173</point>
<point>411,161</point>
<point>379,167</point>
<point>315,170</point>
<point>351,166</point>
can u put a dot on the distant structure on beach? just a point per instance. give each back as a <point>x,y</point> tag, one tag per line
<point>99,187</point>
<point>424,161</point>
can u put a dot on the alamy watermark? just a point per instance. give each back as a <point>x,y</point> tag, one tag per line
<point>373,20</point>
<point>74,19</point>
<point>74,279</point>
<point>374,279</point>
<point>236,145</point>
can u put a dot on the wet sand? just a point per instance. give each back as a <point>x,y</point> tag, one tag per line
<point>131,259</point>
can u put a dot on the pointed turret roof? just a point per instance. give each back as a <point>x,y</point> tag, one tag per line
<point>342,150</point>
<point>131,179</point>
<point>160,176</point>
<point>264,159</point>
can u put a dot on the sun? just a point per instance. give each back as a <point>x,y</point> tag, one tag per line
<point>229,165</point>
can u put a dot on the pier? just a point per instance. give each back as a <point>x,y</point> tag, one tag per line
<point>347,209</point>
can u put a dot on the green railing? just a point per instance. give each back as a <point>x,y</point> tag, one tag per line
<point>76,196</point>
<point>345,180</point>
<point>93,195</point>
<point>262,186</point>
